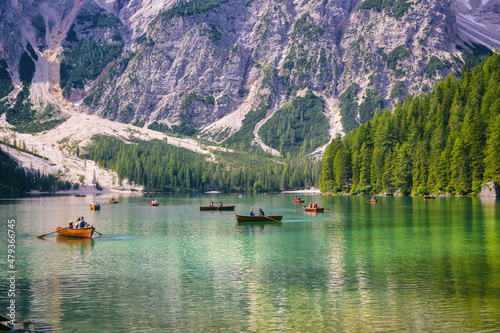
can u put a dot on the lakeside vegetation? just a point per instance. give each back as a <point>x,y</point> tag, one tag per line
<point>445,141</point>
<point>162,167</point>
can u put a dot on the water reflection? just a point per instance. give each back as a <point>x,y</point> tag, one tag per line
<point>400,265</point>
<point>76,243</point>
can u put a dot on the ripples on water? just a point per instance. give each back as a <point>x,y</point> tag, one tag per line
<point>399,265</point>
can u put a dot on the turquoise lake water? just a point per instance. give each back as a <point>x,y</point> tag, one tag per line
<point>400,265</point>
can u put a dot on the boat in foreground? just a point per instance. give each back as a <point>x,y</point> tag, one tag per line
<point>314,209</point>
<point>86,232</point>
<point>217,208</point>
<point>266,219</point>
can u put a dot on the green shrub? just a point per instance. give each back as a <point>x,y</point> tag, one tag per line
<point>433,66</point>
<point>299,124</point>
<point>85,62</point>
<point>395,55</point>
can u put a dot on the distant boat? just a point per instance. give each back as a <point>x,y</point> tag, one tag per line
<point>298,200</point>
<point>313,209</point>
<point>113,201</point>
<point>95,207</point>
<point>86,232</point>
<point>428,197</point>
<point>154,204</point>
<point>217,207</point>
<point>256,218</point>
<point>80,195</point>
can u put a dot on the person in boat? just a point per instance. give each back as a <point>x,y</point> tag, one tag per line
<point>251,213</point>
<point>261,212</point>
<point>70,225</point>
<point>220,203</point>
<point>374,198</point>
<point>212,204</point>
<point>315,205</point>
<point>310,205</point>
<point>82,224</point>
<point>296,198</point>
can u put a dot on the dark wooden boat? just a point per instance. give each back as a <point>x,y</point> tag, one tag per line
<point>314,210</point>
<point>428,197</point>
<point>80,195</point>
<point>217,208</point>
<point>86,232</point>
<point>260,219</point>
<point>298,200</point>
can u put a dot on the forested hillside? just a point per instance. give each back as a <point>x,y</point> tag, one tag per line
<point>16,180</point>
<point>162,167</point>
<point>445,141</point>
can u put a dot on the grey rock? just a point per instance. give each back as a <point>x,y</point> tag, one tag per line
<point>490,189</point>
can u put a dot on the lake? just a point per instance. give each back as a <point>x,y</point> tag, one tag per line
<point>402,265</point>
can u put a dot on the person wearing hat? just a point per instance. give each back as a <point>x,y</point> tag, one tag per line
<point>70,225</point>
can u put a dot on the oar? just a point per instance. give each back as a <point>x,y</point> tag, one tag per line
<point>41,236</point>
<point>97,232</point>
<point>270,218</point>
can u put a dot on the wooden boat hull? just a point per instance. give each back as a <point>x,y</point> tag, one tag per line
<point>314,210</point>
<point>113,202</point>
<point>95,207</point>
<point>80,233</point>
<point>373,200</point>
<point>217,208</point>
<point>298,201</point>
<point>154,205</point>
<point>260,219</point>
<point>80,195</point>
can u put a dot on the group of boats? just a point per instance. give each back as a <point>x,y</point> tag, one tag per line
<point>88,232</point>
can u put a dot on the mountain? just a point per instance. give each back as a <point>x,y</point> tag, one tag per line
<point>233,71</point>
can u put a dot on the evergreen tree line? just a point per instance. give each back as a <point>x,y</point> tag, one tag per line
<point>445,141</point>
<point>162,167</point>
<point>16,180</point>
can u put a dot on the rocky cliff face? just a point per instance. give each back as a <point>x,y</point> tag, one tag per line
<point>211,65</point>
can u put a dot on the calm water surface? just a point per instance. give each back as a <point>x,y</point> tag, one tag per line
<point>400,265</point>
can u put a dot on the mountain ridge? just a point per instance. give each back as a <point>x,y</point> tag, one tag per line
<point>208,68</point>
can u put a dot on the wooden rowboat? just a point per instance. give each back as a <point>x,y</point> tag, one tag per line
<point>86,232</point>
<point>315,210</point>
<point>80,195</point>
<point>152,204</point>
<point>428,197</point>
<point>93,207</point>
<point>298,200</point>
<point>260,219</point>
<point>217,208</point>
<point>373,200</point>
<point>113,201</point>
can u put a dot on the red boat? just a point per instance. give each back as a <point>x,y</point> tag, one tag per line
<point>313,209</point>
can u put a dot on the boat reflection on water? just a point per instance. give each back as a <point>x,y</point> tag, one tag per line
<point>73,242</point>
